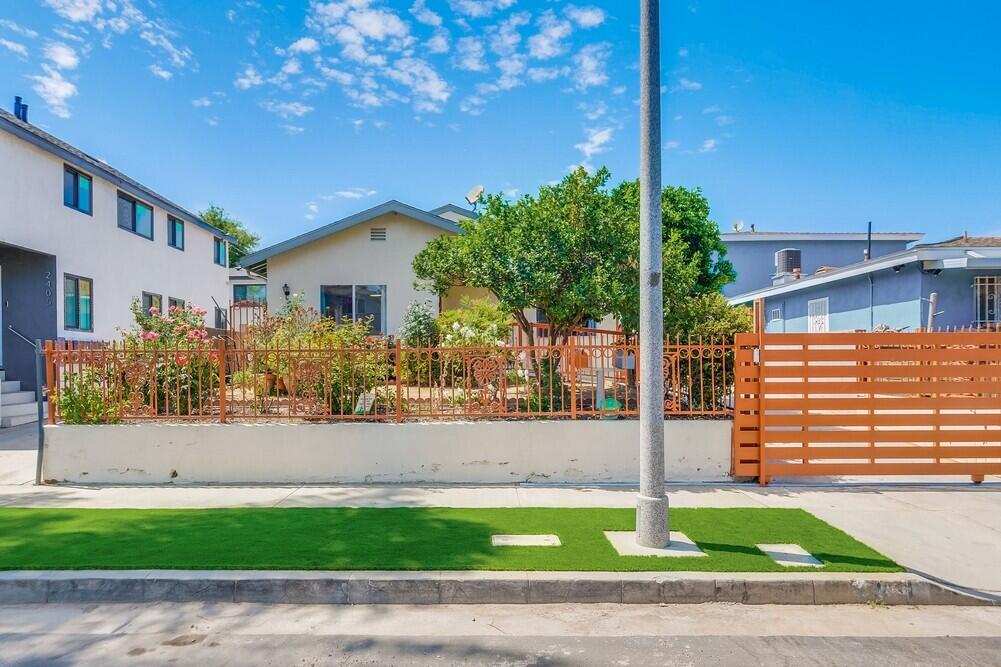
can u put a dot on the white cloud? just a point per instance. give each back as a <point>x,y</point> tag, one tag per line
<point>19,49</point>
<point>618,90</point>
<point>76,10</point>
<point>21,30</point>
<point>713,109</point>
<point>540,74</point>
<point>590,65</point>
<point>709,146</point>
<point>340,76</point>
<point>248,79</point>
<point>292,66</point>
<point>585,17</point>
<point>682,53</point>
<point>505,38</point>
<point>304,45</point>
<point>479,8</point>
<point>201,102</point>
<point>438,43</point>
<point>671,145</point>
<point>287,109</point>
<point>549,41</point>
<point>473,105</point>
<point>595,142</point>
<point>593,111</point>
<point>723,120</point>
<point>158,71</point>
<point>688,84</point>
<point>312,208</point>
<point>511,69</point>
<point>429,90</point>
<point>377,24</point>
<point>54,89</point>
<point>424,15</point>
<point>292,129</point>
<point>469,54</point>
<point>213,121</point>
<point>352,193</point>
<point>61,55</point>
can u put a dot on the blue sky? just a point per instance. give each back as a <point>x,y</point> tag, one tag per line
<point>789,115</point>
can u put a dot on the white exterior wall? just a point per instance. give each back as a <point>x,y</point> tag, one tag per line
<point>554,452</point>
<point>121,264</point>
<point>349,258</point>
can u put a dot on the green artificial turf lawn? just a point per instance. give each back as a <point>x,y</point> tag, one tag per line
<point>413,538</point>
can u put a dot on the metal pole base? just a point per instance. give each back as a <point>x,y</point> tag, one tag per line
<point>651,522</point>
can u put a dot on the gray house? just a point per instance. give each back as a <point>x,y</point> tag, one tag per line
<point>893,290</point>
<point>754,254</point>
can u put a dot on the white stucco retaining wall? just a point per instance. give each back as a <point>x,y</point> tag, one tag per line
<point>464,452</point>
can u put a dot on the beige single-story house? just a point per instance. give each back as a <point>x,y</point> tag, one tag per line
<point>361,265</point>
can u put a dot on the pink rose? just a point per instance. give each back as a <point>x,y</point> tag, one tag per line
<point>153,310</point>
<point>150,335</point>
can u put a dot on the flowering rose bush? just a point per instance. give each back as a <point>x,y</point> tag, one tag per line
<point>184,362</point>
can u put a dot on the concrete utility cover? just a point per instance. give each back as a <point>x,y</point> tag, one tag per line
<point>789,555</point>
<point>624,542</point>
<point>524,540</point>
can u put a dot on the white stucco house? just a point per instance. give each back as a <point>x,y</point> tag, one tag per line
<point>79,241</point>
<point>359,266</point>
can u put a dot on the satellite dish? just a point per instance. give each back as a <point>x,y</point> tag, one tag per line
<point>738,226</point>
<point>474,195</point>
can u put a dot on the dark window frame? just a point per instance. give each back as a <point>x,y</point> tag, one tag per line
<point>159,297</point>
<point>77,175</point>
<point>172,233</point>
<point>246,288</point>
<point>78,279</point>
<point>216,244</point>
<point>135,203</point>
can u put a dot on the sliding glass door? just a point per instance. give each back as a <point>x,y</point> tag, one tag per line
<point>355,302</point>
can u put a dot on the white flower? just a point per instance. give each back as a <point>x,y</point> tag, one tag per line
<point>455,326</point>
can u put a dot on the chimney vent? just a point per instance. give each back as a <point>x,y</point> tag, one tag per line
<point>24,112</point>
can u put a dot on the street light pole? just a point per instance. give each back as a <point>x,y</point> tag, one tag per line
<point>651,504</point>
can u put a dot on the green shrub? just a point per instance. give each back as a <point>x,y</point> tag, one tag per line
<point>84,399</point>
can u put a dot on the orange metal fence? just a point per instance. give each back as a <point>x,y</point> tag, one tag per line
<point>223,381</point>
<point>868,404</point>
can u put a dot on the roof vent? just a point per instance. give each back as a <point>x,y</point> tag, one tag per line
<point>20,109</point>
<point>377,234</point>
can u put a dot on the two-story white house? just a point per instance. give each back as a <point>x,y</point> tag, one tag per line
<point>79,241</point>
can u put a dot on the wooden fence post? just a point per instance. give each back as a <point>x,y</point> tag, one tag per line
<point>572,368</point>
<point>399,381</point>
<point>222,380</point>
<point>50,380</point>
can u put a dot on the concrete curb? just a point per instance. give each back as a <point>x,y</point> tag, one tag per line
<point>475,587</point>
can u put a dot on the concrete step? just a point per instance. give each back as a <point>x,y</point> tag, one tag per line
<point>8,422</point>
<point>9,386</point>
<point>16,398</point>
<point>20,409</point>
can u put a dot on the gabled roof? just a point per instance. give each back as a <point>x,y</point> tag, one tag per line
<point>76,157</point>
<point>257,261</point>
<point>909,237</point>
<point>458,210</point>
<point>932,257</point>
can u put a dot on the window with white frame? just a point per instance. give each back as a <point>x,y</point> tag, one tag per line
<point>987,292</point>
<point>776,315</point>
<point>355,302</point>
<point>818,316</point>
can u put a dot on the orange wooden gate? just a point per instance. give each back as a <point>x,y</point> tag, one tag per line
<point>867,404</point>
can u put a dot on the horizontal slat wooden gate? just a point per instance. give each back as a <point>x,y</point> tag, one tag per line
<point>867,404</point>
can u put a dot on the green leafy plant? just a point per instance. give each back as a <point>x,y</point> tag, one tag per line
<point>85,398</point>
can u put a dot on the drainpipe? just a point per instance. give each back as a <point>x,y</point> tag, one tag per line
<point>872,290</point>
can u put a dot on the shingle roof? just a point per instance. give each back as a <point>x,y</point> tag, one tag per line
<point>966,242</point>
<point>78,158</point>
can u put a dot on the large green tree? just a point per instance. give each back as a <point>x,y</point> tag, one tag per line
<point>573,251</point>
<point>246,241</point>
